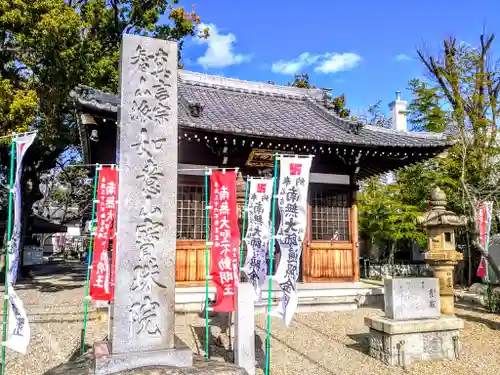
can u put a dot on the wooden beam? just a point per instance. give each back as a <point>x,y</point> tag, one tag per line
<point>329,178</point>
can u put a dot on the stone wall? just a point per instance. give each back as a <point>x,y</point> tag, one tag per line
<point>375,271</point>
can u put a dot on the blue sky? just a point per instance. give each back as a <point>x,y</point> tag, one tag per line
<point>364,49</point>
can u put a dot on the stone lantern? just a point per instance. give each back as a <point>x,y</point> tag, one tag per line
<point>441,252</point>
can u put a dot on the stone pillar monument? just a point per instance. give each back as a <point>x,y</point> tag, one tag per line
<point>441,254</point>
<point>142,319</point>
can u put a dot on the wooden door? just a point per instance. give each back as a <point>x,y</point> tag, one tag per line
<point>190,262</point>
<point>327,260</point>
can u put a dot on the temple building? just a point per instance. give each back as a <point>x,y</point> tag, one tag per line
<point>226,122</point>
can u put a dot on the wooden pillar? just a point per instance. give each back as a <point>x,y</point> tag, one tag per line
<point>306,246</point>
<point>240,207</point>
<point>240,197</point>
<point>354,240</point>
<point>354,229</point>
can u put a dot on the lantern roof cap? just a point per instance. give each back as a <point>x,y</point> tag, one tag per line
<point>438,216</point>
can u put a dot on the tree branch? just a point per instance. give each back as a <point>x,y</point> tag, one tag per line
<point>433,69</point>
<point>114,4</point>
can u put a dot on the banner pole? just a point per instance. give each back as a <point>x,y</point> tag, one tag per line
<point>9,238</point>
<point>489,211</point>
<point>244,223</point>
<point>89,263</point>
<point>271,261</point>
<point>207,330</point>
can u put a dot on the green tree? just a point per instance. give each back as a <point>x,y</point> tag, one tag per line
<point>47,47</point>
<point>384,219</point>
<point>375,116</point>
<point>302,81</point>
<point>426,110</point>
<point>336,104</point>
<point>461,98</point>
<point>67,193</point>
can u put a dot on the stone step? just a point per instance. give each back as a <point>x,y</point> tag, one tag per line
<point>315,307</point>
<point>311,297</point>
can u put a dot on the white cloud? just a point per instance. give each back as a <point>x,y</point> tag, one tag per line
<point>403,57</point>
<point>294,66</point>
<point>324,63</point>
<point>219,53</point>
<point>339,62</point>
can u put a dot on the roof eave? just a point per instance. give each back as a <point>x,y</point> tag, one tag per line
<point>108,103</point>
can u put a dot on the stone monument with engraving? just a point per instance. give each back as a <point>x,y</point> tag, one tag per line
<point>142,315</point>
<point>411,298</point>
<point>413,328</point>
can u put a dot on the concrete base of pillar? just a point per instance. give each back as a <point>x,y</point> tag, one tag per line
<point>106,363</point>
<point>244,345</point>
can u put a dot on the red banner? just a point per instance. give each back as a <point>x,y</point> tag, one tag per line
<point>107,195</point>
<point>481,270</point>
<point>482,219</point>
<point>225,238</point>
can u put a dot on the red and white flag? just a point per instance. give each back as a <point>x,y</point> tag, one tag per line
<point>225,238</point>
<point>107,195</point>
<point>484,216</point>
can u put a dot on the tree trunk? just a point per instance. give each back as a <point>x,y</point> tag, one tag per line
<point>489,259</point>
<point>474,230</point>
<point>392,250</point>
<point>24,231</point>
<point>484,252</point>
<point>30,195</point>
<point>469,259</point>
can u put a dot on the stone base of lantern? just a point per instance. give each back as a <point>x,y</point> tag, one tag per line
<point>443,270</point>
<point>400,343</point>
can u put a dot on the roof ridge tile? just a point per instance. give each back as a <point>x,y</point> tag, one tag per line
<point>283,95</point>
<point>348,125</point>
<point>189,76</point>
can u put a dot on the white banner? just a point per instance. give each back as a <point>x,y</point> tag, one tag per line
<point>292,203</point>
<point>258,234</point>
<point>23,142</point>
<point>18,333</point>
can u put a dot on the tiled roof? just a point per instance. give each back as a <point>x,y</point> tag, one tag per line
<point>258,109</point>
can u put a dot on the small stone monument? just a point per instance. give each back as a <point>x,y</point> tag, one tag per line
<point>413,329</point>
<point>441,254</point>
<point>411,298</point>
<point>142,315</point>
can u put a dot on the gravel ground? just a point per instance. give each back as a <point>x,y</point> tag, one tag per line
<point>55,310</point>
<point>314,344</point>
<point>334,344</point>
